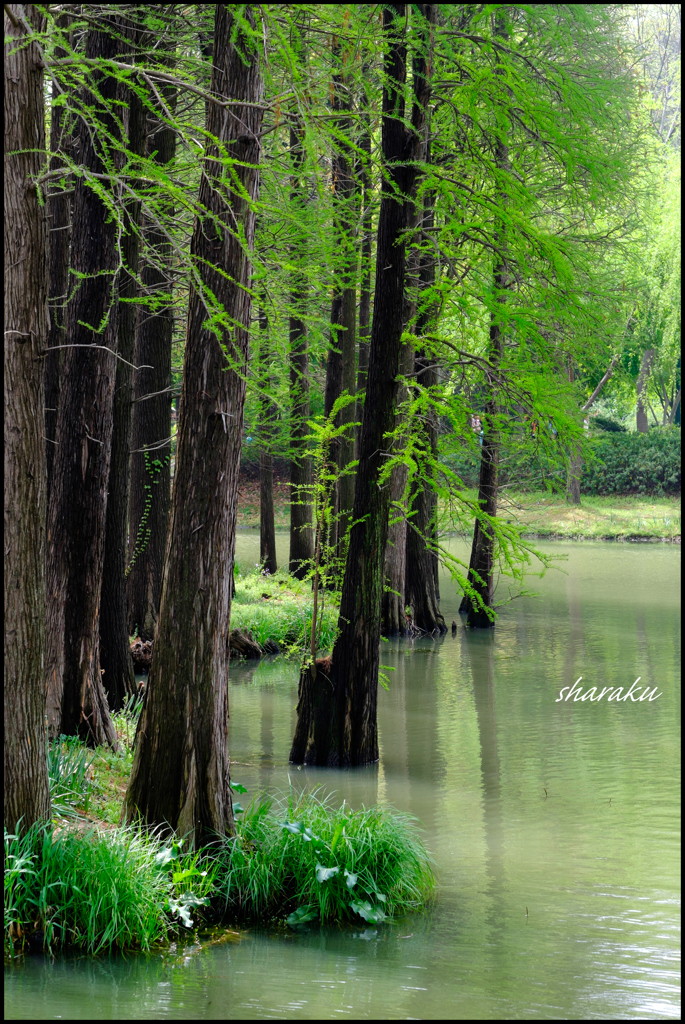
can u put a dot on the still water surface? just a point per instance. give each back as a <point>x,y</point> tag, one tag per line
<point>555,826</point>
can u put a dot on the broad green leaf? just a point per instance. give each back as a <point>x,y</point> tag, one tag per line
<point>336,836</point>
<point>374,915</point>
<point>323,874</point>
<point>301,916</point>
<point>237,788</point>
<point>237,808</point>
<point>350,879</point>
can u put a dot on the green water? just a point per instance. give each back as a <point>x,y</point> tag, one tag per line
<point>556,904</point>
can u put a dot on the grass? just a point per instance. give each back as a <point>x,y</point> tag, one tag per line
<point>83,880</point>
<point>279,608</point>
<point>540,513</point>
<point>303,857</point>
<point>615,517</point>
<point>91,888</point>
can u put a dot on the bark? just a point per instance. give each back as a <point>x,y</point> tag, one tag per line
<point>301,538</point>
<point>27,795</point>
<point>59,220</point>
<point>393,617</point>
<point>481,568</point>
<point>365,289</point>
<point>268,415</point>
<point>647,359</point>
<point>337,723</point>
<point>115,654</point>
<point>180,778</point>
<point>78,498</point>
<point>150,473</point>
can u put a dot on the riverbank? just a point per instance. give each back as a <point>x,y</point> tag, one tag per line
<point>85,880</point>
<point>541,514</point>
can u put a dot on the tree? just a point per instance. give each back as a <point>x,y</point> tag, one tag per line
<point>27,795</point>
<point>115,655</point>
<point>301,540</point>
<point>336,723</point>
<point>78,497</point>
<point>180,777</point>
<point>150,471</point>
<point>268,416</point>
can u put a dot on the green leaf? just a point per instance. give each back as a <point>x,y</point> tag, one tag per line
<point>237,808</point>
<point>374,915</point>
<point>301,916</point>
<point>323,874</point>
<point>336,836</point>
<point>350,879</point>
<point>237,788</point>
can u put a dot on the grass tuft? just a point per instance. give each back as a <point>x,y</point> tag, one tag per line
<point>304,858</point>
<point>96,888</point>
<point>279,608</point>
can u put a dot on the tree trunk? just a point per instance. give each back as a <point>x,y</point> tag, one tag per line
<point>337,713</point>
<point>301,538</point>
<point>393,616</point>
<point>481,569</point>
<point>421,584</point>
<point>268,414</point>
<point>27,795</point>
<point>78,498</point>
<point>647,359</point>
<point>59,222</point>
<point>365,290</point>
<point>150,479</point>
<point>180,777</point>
<point>115,653</point>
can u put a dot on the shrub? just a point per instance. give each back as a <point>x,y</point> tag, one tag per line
<point>303,858</point>
<point>96,888</point>
<point>611,426</point>
<point>634,463</point>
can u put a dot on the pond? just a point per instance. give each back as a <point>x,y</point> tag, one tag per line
<point>554,824</point>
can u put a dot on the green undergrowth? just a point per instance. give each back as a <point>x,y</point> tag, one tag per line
<point>614,517</point>
<point>306,859</point>
<point>278,608</point>
<point>84,880</point>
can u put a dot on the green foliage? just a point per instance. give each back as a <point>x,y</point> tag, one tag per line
<point>609,425</point>
<point>634,463</point>
<point>153,468</point>
<point>69,761</point>
<point>97,888</point>
<point>302,858</point>
<point>284,615</point>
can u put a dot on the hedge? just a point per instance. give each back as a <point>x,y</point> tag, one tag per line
<point>634,463</point>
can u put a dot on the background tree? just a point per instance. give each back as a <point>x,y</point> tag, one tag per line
<point>78,497</point>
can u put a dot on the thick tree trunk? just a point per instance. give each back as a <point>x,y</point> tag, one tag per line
<point>393,616</point>
<point>180,777</point>
<point>59,222</point>
<point>647,360</point>
<point>78,498</point>
<point>150,479</point>
<point>27,795</point>
<point>268,414</point>
<point>301,537</point>
<point>481,570</point>
<point>337,713</point>
<point>115,653</point>
<point>421,587</point>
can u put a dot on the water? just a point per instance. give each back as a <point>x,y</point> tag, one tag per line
<point>554,825</point>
